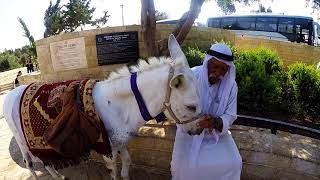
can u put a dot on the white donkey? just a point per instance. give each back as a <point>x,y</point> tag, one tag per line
<point>166,85</point>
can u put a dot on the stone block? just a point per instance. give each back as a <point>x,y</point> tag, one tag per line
<point>141,37</point>
<point>133,28</point>
<point>158,36</point>
<point>163,145</point>
<point>52,39</point>
<point>268,159</point>
<point>91,56</point>
<point>104,75</point>
<point>293,175</point>
<point>119,29</point>
<point>259,172</point>
<point>27,79</point>
<point>165,34</point>
<point>90,40</point>
<point>306,167</point>
<point>49,67</point>
<point>281,147</point>
<point>70,35</point>
<point>148,173</point>
<point>90,33</point>
<point>165,27</point>
<point>142,143</point>
<point>163,159</point>
<point>41,42</point>
<point>252,140</point>
<point>152,132</point>
<point>68,75</point>
<point>194,35</point>
<point>44,58</point>
<point>203,35</point>
<point>52,77</point>
<point>94,73</point>
<point>106,30</point>
<point>143,157</point>
<point>111,67</point>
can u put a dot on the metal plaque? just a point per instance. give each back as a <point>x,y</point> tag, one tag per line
<point>120,47</point>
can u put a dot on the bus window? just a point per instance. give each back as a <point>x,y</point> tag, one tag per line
<point>266,24</point>
<point>247,23</point>
<point>215,23</point>
<point>285,25</point>
<point>303,30</point>
<point>228,23</point>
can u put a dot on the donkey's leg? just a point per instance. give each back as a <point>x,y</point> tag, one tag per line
<point>25,154</point>
<point>126,161</point>
<point>27,160</point>
<point>54,173</point>
<point>111,164</point>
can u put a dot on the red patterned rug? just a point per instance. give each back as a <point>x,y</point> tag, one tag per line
<point>40,105</point>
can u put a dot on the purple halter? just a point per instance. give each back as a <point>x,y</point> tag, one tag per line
<point>141,103</point>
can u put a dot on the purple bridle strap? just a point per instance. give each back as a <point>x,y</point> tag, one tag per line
<point>140,101</point>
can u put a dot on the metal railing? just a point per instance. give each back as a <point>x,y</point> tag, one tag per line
<point>275,125</point>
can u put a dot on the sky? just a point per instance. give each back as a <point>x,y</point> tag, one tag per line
<point>32,12</point>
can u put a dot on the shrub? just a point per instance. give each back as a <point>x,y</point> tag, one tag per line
<point>194,56</point>
<point>8,61</point>
<point>258,73</point>
<point>4,65</point>
<point>306,85</point>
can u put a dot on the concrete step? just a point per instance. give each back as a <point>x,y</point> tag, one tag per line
<point>6,86</point>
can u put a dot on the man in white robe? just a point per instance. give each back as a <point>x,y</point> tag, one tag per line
<point>212,155</point>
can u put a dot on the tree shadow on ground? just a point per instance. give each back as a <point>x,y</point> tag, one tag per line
<point>16,156</point>
<point>92,169</point>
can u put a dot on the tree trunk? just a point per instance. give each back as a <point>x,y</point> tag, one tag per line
<point>183,26</point>
<point>148,25</point>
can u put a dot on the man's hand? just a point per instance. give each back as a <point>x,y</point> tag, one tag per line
<point>211,123</point>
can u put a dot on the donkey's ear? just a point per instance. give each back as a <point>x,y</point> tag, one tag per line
<point>178,81</point>
<point>175,51</point>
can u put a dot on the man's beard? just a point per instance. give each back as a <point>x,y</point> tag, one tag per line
<point>213,79</point>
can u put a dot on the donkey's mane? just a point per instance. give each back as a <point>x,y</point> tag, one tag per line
<point>142,65</point>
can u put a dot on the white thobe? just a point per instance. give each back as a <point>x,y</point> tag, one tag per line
<point>216,157</point>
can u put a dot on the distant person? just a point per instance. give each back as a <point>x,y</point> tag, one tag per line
<point>29,65</point>
<point>16,81</point>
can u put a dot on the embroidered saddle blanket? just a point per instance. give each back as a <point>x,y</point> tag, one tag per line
<point>41,106</point>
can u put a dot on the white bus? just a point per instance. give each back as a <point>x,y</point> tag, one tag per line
<point>300,29</point>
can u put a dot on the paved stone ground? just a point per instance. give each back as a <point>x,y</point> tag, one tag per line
<point>13,168</point>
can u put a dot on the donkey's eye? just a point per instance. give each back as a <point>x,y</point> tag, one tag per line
<point>191,108</point>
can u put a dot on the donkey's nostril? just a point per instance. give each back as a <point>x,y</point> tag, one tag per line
<point>191,108</point>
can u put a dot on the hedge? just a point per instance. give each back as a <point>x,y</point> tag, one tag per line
<point>268,88</point>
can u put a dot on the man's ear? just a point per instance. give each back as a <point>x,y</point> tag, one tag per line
<point>178,81</point>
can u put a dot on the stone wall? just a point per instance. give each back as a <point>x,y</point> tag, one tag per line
<point>200,37</point>
<point>197,37</point>
<point>289,52</point>
<point>265,156</point>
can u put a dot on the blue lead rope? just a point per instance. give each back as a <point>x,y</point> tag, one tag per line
<point>140,101</point>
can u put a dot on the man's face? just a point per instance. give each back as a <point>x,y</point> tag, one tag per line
<point>216,70</point>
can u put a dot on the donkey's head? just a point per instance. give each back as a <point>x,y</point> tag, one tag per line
<point>184,99</point>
